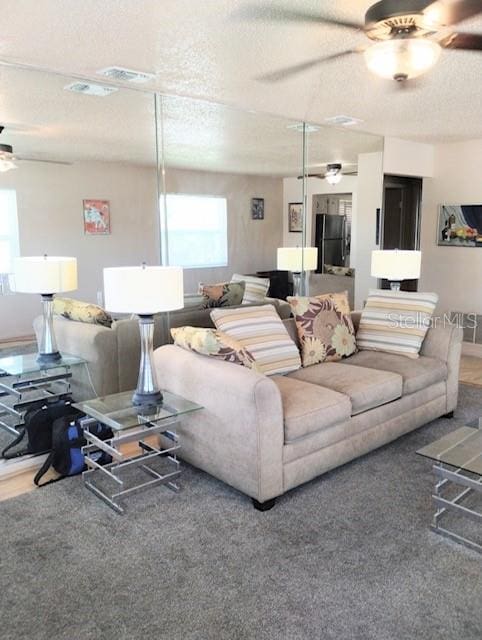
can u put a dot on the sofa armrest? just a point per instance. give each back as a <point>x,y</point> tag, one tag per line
<point>238,437</point>
<point>95,344</point>
<point>445,343</point>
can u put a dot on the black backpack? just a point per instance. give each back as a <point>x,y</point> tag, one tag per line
<point>66,455</point>
<point>37,427</point>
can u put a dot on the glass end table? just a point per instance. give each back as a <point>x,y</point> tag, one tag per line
<point>132,447</point>
<point>25,382</point>
<point>457,462</point>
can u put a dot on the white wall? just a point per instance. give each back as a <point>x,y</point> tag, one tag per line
<point>455,273</point>
<point>49,202</point>
<point>369,199</point>
<point>407,158</point>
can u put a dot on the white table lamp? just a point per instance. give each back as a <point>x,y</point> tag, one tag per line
<point>395,266</point>
<point>45,275</point>
<point>144,291</point>
<point>296,260</point>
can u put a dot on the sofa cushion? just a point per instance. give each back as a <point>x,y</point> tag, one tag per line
<point>308,408</point>
<point>366,388</point>
<point>395,321</point>
<point>81,311</point>
<point>256,288</point>
<point>214,344</point>
<point>324,326</point>
<point>223,294</point>
<point>261,331</point>
<point>416,374</point>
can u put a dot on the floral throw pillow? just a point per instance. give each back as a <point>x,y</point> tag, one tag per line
<point>81,311</point>
<point>224,294</point>
<point>216,344</point>
<point>324,327</point>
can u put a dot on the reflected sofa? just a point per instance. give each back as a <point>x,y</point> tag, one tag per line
<point>112,354</point>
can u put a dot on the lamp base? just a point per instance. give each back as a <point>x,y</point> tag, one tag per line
<point>147,398</point>
<point>47,358</point>
<point>395,285</point>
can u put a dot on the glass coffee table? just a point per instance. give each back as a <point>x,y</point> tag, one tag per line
<point>457,465</point>
<point>143,446</point>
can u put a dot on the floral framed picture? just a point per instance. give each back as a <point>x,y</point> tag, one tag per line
<point>96,217</point>
<point>295,217</point>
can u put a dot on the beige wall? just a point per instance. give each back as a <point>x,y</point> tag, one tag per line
<point>49,202</point>
<point>455,273</point>
<point>252,244</point>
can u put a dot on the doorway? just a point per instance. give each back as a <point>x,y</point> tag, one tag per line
<point>402,197</point>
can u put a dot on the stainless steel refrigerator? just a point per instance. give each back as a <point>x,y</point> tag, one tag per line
<point>333,241</point>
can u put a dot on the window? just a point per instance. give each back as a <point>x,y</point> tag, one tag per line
<point>196,231</point>
<point>9,248</point>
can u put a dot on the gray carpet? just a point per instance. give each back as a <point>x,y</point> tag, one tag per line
<point>348,556</point>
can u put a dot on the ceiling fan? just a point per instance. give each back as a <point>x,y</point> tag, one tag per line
<point>333,173</point>
<point>407,36</point>
<point>8,159</point>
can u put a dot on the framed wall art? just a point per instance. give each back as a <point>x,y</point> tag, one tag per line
<point>295,217</point>
<point>460,225</point>
<point>257,208</point>
<point>96,217</point>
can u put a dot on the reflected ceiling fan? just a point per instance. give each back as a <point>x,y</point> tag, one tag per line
<point>406,36</point>
<point>8,160</point>
<point>333,173</point>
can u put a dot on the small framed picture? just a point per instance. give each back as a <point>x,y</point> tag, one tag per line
<point>96,217</point>
<point>295,217</point>
<point>257,208</point>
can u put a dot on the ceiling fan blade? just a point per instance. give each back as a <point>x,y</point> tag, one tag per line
<point>449,12</point>
<point>463,41</point>
<point>25,159</point>
<point>271,14</point>
<point>283,74</point>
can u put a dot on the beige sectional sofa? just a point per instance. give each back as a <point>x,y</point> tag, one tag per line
<point>265,436</point>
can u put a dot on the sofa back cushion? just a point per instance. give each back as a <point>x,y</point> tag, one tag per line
<point>396,321</point>
<point>325,328</point>
<point>261,331</point>
<point>256,288</point>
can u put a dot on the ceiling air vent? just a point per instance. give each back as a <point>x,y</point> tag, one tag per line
<point>344,121</point>
<point>309,128</point>
<point>89,89</point>
<point>126,75</point>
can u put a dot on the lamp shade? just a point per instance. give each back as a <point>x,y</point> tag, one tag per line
<point>143,290</point>
<point>396,265</point>
<point>45,274</point>
<point>297,259</point>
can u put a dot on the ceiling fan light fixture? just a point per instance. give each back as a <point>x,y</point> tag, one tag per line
<point>333,173</point>
<point>7,160</point>
<point>402,58</point>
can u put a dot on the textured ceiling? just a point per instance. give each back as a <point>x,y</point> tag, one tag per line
<point>208,49</point>
<point>44,121</point>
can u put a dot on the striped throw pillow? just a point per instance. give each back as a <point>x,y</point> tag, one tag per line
<point>262,333</point>
<point>395,321</point>
<point>256,288</point>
